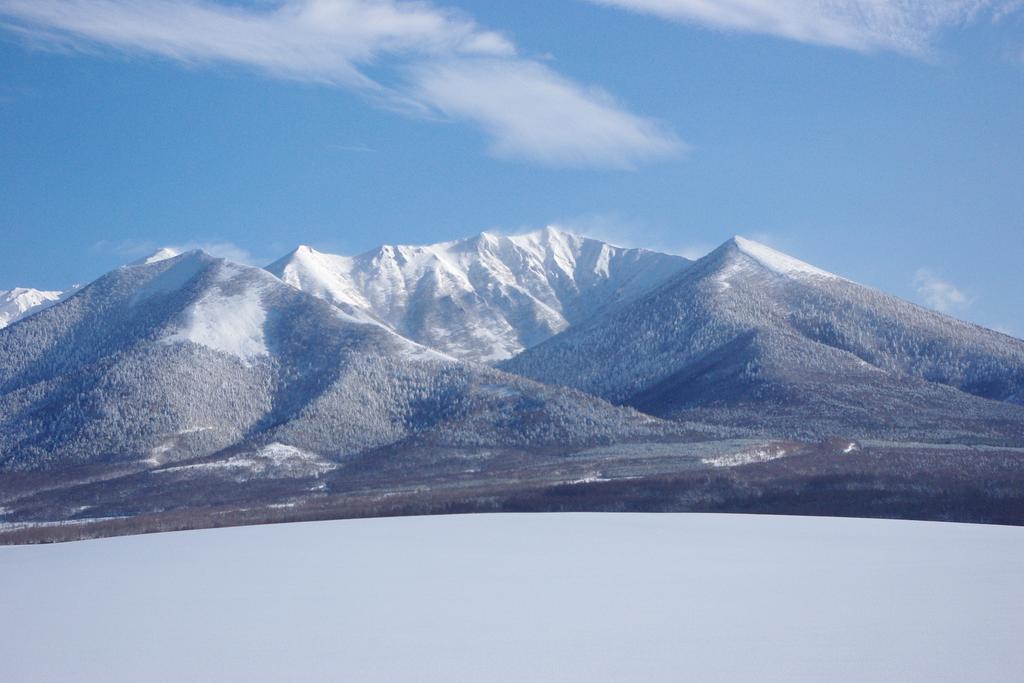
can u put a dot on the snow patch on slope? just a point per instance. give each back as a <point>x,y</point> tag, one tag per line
<point>275,460</point>
<point>747,457</point>
<point>227,319</point>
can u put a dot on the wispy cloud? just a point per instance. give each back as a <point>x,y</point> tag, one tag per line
<point>694,251</point>
<point>531,112</point>
<point>131,250</point>
<point>424,60</point>
<point>221,249</point>
<point>626,231</point>
<point>939,294</point>
<point>364,149</point>
<point>907,26</point>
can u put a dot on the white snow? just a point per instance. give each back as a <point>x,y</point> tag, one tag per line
<point>768,258</point>
<point>589,479</point>
<point>226,319</point>
<point>177,275</point>
<point>746,457</point>
<point>323,275</point>
<point>482,298</point>
<point>273,460</point>
<point>602,265</point>
<point>161,254</point>
<point>569,597</point>
<point>778,262</point>
<point>21,302</point>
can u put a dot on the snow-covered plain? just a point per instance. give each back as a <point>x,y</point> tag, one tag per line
<point>584,597</point>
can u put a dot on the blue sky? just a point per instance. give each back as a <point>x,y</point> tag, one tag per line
<point>881,140</point>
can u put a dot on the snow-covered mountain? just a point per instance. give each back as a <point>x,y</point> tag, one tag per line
<point>484,298</point>
<point>21,302</point>
<point>189,355</point>
<point>750,336</point>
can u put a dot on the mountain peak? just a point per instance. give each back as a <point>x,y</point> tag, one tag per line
<point>161,254</point>
<point>301,252</point>
<point>771,259</point>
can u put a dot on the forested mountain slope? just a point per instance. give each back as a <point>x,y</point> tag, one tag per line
<point>182,357</point>
<point>748,335</point>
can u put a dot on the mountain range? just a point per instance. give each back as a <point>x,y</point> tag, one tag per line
<point>182,357</point>
<point>536,371</point>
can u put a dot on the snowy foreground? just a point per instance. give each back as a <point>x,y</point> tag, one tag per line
<point>522,597</point>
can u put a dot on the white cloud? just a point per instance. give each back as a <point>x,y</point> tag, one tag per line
<point>695,251</point>
<point>531,112</point>
<point>938,293</point>
<point>907,26</point>
<point>365,149</point>
<point>635,232</point>
<point>314,40</point>
<point>221,249</point>
<point>424,59</point>
<point>131,250</point>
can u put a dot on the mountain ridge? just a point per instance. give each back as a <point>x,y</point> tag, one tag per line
<point>485,297</point>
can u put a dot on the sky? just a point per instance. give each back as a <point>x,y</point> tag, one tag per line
<point>879,139</point>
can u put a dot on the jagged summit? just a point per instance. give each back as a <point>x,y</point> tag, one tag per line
<point>485,297</point>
